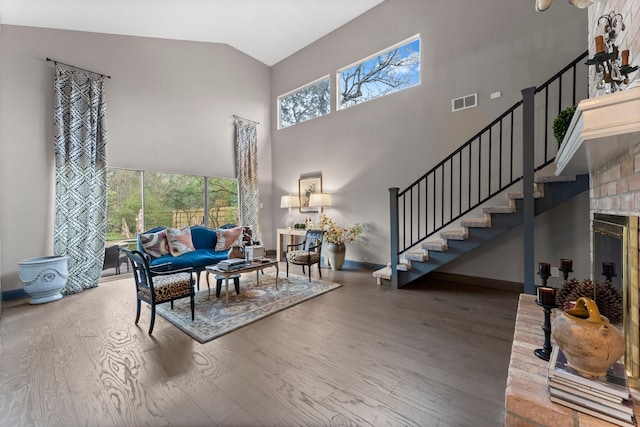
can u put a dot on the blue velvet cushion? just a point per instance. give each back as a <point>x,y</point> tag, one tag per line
<point>203,237</point>
<point>197,259</point>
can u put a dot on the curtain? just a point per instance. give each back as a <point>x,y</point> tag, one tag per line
<point>81,176</point>
<point>247,174</point>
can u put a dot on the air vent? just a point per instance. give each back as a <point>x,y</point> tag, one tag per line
<point>464,102</point>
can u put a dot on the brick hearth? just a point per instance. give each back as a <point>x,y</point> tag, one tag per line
<point>527,397</point>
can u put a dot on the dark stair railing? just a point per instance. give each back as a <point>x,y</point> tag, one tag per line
<point>484,166</point>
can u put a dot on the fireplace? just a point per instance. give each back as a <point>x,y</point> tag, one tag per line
<point>603,140</point>
<point>615,239</point>
<point>609,245</point>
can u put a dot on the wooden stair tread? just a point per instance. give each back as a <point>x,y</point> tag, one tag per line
<point>419,256</point>
<point>403,266</point>
<point>383,273</point>
<point>513,195</point>
<point>498,209</point>
<point>542,179</point>
<point>454,234</point>
<point>435,245</point>
<point>483,222</point>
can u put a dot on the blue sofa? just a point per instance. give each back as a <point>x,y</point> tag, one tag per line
<point>204,241</point>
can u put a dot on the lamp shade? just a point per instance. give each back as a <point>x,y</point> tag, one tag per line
<point>290,201</point>
<point>319,200</point>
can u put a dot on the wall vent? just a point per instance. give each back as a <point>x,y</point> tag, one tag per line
<point>464,102</point>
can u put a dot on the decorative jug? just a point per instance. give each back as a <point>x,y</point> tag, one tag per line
<point>590,343</point>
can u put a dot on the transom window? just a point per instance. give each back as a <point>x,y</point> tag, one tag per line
<point>389,71</point>
<point>305,103</point>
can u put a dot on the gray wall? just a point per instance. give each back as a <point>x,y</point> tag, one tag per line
<point>467,47</point>
<point>170,107</point>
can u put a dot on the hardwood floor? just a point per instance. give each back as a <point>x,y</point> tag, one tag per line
<point>434,354</point>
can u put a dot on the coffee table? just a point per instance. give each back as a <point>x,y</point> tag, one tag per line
<point>255,265</point>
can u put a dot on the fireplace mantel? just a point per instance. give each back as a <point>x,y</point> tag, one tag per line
<point>602,128</point>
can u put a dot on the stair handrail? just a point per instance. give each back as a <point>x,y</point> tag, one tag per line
<point>431,177</point>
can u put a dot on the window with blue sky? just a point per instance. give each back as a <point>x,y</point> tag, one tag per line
<point>385,72</point>
<point>389,71</point>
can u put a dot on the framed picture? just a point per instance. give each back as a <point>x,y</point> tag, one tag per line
<point>306,186</point>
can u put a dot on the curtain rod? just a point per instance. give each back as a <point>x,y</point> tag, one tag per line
<point>78,68</point>
<point>249,120</point>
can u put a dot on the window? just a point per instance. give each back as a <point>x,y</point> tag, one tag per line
<point>223,202</point>
<point>391,70</point>
<point>173,200</point>
<point>306,103</point>
<point>137,201</point>
<point>124,202</point>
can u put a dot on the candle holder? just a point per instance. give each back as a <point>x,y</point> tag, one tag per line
<point>544,353</point>
<point>544,271</point>
<point>609,270</point>
<point>566,266</point>
<point>612,71</point>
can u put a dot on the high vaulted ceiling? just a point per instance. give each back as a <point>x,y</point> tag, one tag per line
<point>267,30</point>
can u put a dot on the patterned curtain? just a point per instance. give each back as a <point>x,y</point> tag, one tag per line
<point>247,173</point>
<point>80,130</point>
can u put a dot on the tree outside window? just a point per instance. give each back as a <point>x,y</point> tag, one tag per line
<point>394,69</point>
<point>170,200</point>
<point>306,103</point>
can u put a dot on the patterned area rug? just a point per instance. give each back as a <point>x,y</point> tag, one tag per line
<point>213,319</point>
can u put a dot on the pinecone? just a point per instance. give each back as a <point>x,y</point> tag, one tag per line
<point>608,298</point>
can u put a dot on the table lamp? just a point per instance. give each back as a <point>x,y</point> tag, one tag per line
<point>319,200</point>
<point>289,201</point>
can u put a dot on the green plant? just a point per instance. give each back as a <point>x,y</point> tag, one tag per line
<point>561,123</point>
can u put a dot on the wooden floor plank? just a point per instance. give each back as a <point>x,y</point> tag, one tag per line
<point>433,354</point>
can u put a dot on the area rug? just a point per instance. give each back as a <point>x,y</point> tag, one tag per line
<point>255,302</point>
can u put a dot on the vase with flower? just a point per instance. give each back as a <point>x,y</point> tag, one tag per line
<point>335,238</point>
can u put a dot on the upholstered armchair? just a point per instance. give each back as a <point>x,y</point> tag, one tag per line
<point>154,286</point>
<point>307,252</point>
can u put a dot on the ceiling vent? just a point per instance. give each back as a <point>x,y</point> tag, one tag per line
<point>464,102</point>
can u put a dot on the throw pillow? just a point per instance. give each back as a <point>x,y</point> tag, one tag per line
<point>155,244</point>
<point>228,237</point>
<point>180,240</point>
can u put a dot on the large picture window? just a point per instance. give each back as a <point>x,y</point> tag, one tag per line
<point>140,200</point>
<point>389,71</point>
<point>305,103</point>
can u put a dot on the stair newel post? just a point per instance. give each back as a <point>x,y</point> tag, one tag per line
<point>395,234</point>
<point>528,170</point>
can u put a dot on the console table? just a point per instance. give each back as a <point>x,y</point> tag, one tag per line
<point>527,397</point>
<point>290,233</point>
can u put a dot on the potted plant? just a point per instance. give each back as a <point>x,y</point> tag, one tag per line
<point>561,123</point>
<point>335,238</point>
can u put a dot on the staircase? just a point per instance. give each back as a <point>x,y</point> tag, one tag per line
<point>436,219</point>
<point>549,192</point>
